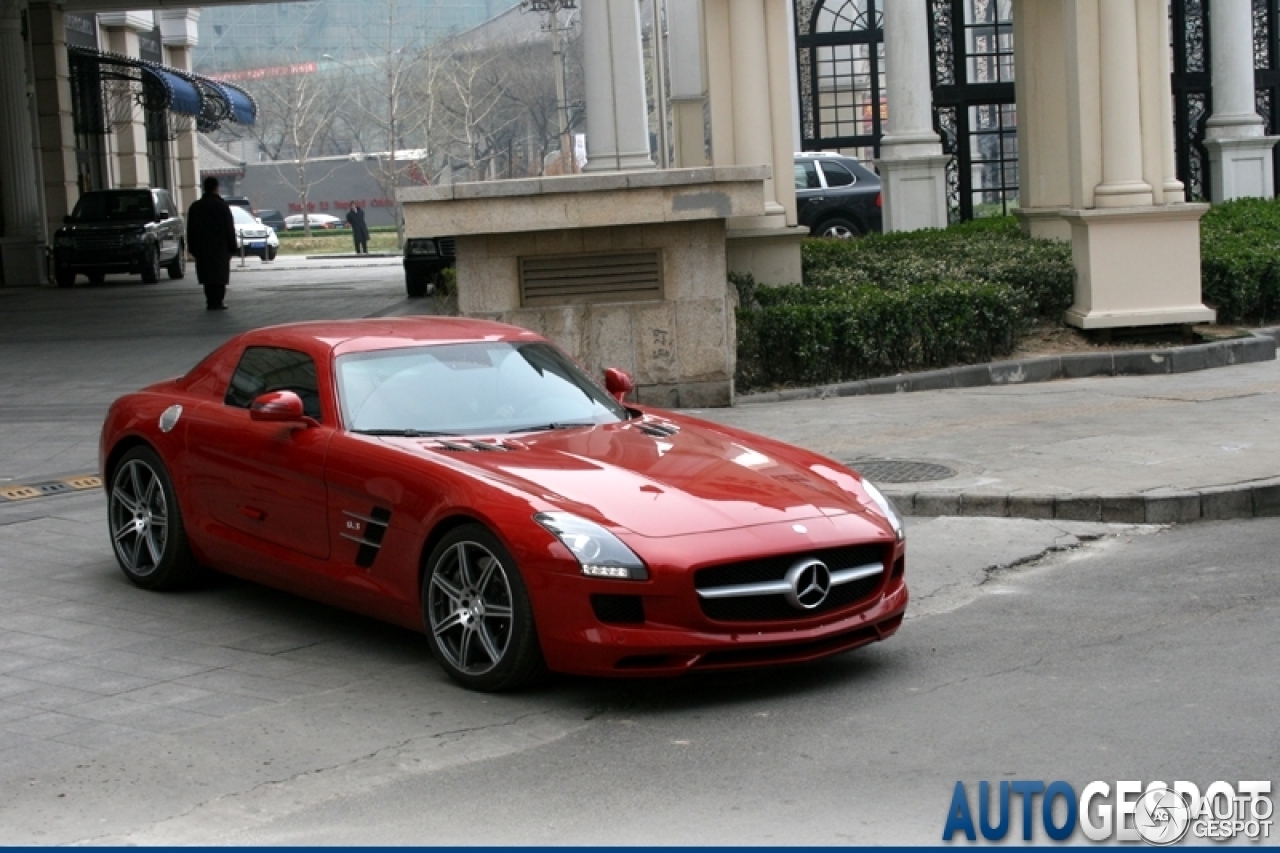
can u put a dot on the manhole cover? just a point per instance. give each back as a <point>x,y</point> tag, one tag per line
<point>900,470</point>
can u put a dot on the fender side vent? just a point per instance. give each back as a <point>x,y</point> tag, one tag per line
<point>370,541</point>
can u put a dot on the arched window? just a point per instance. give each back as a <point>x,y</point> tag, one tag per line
<point>840,60</point>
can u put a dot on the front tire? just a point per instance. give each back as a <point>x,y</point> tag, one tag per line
<point>147,533</point>
<point>477,614</point>
<point>269,255</point>
<point>415,286</point>
<point>65,278</point>
<point>178,266</point>
<point>151,266</point>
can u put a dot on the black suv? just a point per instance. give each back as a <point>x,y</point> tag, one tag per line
<point>836,196</point>
<point>424,259</point>
<point>133,231</point>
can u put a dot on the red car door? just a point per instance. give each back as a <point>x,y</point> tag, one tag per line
<point>260,478</point>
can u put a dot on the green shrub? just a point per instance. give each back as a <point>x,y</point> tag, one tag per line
<point>889,303</point>
<point>1240,260</point>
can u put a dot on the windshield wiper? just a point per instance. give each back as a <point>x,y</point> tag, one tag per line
<point>403,433</point>
<point>554,425</point>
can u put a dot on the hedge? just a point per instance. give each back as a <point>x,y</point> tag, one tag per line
<point>1240,260</point>
<point>884,304</point>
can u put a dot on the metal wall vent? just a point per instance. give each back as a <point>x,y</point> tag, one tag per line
<point>568,279</point>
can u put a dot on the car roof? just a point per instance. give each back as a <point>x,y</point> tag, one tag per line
<point>366,335</point>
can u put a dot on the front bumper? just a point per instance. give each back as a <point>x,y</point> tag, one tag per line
<point>125,259</point>
<point>676,636</point>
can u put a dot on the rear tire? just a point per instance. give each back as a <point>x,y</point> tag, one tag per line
<point>416,287</point>
<point>839,229</point>
<point>477,614</point>
<point>147,533</point>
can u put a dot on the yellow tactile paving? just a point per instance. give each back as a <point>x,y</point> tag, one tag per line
<point>45,488</point>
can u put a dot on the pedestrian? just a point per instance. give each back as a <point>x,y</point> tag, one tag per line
<point>211,239</point>
<point>359,230</point>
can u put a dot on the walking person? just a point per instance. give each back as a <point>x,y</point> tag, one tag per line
<point>211,239</point>
<point>359,230</point>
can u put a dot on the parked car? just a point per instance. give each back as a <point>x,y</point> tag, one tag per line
<point>120,231</point>
<point>836,196</point>
<point>256,238</point>
<point>425,258</point>
<point>467,480</point>
<point>272,218</point>
<point>318,220</point>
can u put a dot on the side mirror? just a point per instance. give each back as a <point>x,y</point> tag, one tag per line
<point>618,383</point>
<point>279,407</point>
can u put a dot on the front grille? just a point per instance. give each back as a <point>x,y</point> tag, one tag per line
<point>774,607</point>
<point>99,241</point>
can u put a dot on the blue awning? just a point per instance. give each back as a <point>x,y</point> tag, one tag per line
<point>243,108</point>
<point>182,96</point>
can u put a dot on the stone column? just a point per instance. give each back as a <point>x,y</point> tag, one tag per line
<point>1122,162</point>
<point>53,110</point>
<point>22,242</point>
<point>688,91</point>
<point>1239,150</point>
<point>913,169</point>
<point>752,128</point>
<point>178,32</point>
<point>129,130</point>
<point>617,115</point>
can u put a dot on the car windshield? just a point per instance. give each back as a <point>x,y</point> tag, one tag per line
<point>469,388</point>
<point>242,216</point>
<point>130,206</point>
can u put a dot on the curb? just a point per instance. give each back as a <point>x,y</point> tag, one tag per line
<point>1220,503</point>
<point>1260,346</point>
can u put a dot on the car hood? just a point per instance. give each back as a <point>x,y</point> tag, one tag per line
<point>691,481</point>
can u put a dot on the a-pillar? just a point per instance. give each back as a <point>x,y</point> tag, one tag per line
<point>1240,163</point>
<point>613,66</point>
<point>22,240</point>
<point>1097,161</point>
<point>179,34</point>
<point>128,129</point>
<point>688,91</point>
<point>749,54</point>
<point>913,169</point>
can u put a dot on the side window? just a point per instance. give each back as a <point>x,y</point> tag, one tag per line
<point>807,177</point>
<point>265,369</point>
<point>162,200</point>
<point>837,175</point>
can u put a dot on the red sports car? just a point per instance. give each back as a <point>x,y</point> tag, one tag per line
<point>466,479</point>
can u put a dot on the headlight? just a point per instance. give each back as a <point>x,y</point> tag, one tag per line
<point>885,507</point>
<point>599,552</point>
<point>136,237</point>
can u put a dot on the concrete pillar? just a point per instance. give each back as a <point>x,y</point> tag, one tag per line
<point>913,169</point>
<point>1239,152</point>
<point>617,112</point>
<point>53,112</point>
<point>22,242</point>
<point>1044,140</point>
<point>749,52</point>
<point>688,91</point>
<point>178,33</point>
<point>1121,98</point>
<point>128,128</point>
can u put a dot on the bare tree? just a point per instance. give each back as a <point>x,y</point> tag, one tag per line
<point>298,112</point>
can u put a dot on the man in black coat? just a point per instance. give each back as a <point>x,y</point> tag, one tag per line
<point>359,230</point>
<point>211,239</point>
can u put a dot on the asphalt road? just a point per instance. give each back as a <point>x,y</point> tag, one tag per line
<point>235,714</point>
<point>1144,654</point>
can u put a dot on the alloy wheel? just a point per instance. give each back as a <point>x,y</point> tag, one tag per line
<point>139,516</point>
<point>469,605</point>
